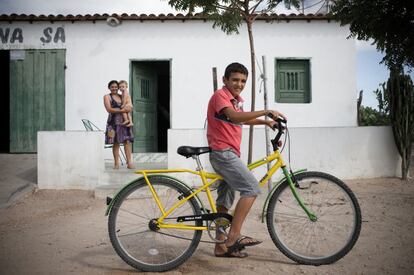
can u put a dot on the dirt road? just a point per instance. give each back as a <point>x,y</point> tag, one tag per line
<point>65,232</point>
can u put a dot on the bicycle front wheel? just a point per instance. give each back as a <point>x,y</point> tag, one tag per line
<point>132,232</point>
<point>319,242</point>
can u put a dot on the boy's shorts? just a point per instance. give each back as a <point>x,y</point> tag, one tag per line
<point>237,177</point>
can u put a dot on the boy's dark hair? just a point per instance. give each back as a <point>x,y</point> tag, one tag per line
<point>235,68</point>
<point>112,82</point>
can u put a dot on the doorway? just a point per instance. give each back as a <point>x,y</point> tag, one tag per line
<point>37,96</point>
<point>150,92</point>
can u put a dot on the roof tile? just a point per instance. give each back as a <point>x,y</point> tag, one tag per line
<point>143,16</point>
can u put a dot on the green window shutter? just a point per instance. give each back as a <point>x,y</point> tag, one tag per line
<point>292,81</point>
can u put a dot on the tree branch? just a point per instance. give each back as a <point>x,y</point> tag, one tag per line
<point>239,4</point>
<point>229,8</point>
<point>253,9</point>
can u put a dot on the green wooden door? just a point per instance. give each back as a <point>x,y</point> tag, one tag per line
<point>144,95</point>
<point>37,96</point>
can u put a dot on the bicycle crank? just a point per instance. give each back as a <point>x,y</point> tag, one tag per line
<point>217,229</point>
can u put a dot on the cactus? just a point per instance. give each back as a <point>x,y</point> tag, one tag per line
<point>359,106</point>
<point>400,92</point>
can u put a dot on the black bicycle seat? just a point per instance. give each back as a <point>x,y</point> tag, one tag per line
<point>188,151</point>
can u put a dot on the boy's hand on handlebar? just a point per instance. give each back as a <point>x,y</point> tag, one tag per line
<point>272,124</point>
<point>273,114</point>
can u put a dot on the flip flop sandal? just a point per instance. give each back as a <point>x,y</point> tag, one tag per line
<point>252,241</point>
<point>232,255</point>
<point>237,246</point>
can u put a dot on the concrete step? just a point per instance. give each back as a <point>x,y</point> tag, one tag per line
<point>113,180</point>
<point>150,158</point>
<point>143,161</point>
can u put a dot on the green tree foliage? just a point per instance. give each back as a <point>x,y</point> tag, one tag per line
<point>390,23</point>
<point>383,99</point>
<point>229,15</point>
<point>372,117</point>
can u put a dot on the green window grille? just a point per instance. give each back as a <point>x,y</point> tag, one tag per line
<point>145,88</point>
<point>292,81</point>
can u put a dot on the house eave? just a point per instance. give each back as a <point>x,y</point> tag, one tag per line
<point>150,17</point>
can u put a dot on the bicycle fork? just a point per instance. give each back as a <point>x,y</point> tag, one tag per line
<point>293,184</point>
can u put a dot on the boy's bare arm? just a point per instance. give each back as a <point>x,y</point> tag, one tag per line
<point>257,121</point>
<point>250,118</point>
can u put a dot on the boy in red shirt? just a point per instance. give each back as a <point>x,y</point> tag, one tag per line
<point>226,117</point>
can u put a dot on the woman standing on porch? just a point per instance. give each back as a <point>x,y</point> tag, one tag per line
<point>116,133</point>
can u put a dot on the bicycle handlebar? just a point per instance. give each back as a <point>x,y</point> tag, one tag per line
<point>278,119</point>
<point>280,127</point>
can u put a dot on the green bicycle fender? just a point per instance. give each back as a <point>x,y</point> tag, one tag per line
<point>265,205</point>
<point>110,205</point>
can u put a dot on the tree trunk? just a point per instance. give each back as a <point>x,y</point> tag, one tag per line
<point>249,22</point>
<point>404,167</point>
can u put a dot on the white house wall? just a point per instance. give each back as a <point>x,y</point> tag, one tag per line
<point>346,152</point>
<point>97,53</point>
<point>74,159</point>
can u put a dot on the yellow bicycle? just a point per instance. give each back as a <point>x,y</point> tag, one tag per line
<point>156,221</point>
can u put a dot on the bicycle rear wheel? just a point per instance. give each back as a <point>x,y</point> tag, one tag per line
<point>130,220</point>
<point>319,242</point>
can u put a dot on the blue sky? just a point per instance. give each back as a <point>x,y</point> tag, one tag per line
<point>369,72</point>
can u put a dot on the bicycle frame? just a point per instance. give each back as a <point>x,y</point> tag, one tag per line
<point>208,179</point>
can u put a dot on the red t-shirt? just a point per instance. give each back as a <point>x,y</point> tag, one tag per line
<point>221,132</point>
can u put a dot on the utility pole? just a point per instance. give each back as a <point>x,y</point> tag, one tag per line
<point>263,76</point>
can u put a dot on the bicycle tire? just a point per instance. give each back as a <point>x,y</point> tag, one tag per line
<point>321,242</point>
<point>131,237</point>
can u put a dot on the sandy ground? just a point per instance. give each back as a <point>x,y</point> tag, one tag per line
<point>65,232</point>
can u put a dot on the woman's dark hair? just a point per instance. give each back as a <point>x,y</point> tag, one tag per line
<point>235,68</point>
<point>112,82</point>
